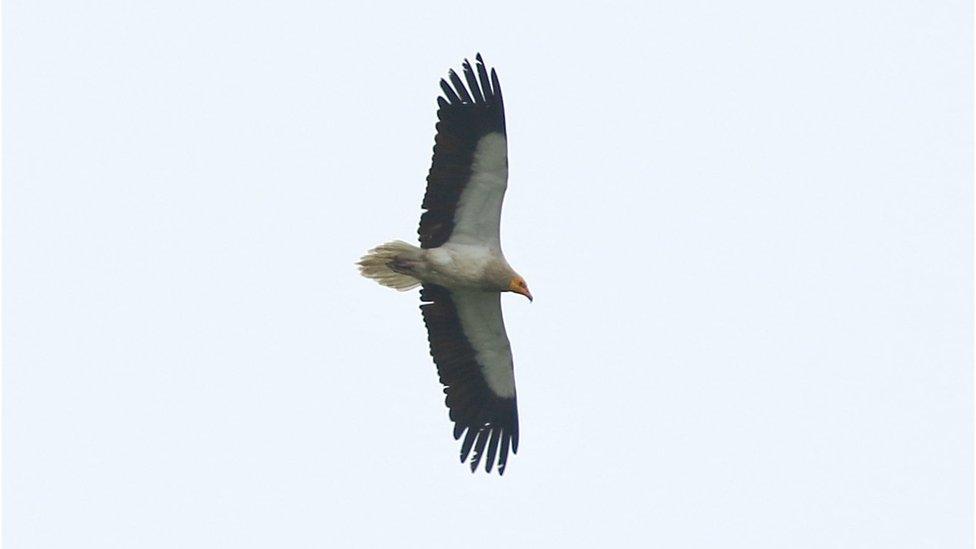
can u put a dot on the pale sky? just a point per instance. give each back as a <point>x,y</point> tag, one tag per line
<point>747,226</point>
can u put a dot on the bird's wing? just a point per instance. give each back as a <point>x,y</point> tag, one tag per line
<point>474,362</point>
<point>469,172</point>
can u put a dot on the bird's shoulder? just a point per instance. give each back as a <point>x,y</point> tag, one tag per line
<point>470,265</point>
<point>472,254</point>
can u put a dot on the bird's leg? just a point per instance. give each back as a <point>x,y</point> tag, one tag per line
<point>403,266</point>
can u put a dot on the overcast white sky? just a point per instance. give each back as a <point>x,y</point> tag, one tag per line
<point>748,228</point>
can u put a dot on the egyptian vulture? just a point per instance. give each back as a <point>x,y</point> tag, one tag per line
<point>460,266</point>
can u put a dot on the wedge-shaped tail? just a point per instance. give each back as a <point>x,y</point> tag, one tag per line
<point>386,264</point>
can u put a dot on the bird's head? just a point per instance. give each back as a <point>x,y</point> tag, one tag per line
<point>517,284</point>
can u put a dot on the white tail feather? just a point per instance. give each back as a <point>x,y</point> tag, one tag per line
<point>376,265</point>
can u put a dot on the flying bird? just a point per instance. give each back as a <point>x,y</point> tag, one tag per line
<point>460,266</point>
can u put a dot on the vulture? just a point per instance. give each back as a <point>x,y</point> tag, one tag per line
<point>460,267</point>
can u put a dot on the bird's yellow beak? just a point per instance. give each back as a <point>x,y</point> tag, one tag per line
<point>518,286</point>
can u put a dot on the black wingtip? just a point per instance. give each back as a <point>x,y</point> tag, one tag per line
<point>449,92</point>
<point>479,449</point>
<point>473,83</point>
<point>485,80</point>
<point>492,448</point>
<point>462,90</point>
<point>466,445</point>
